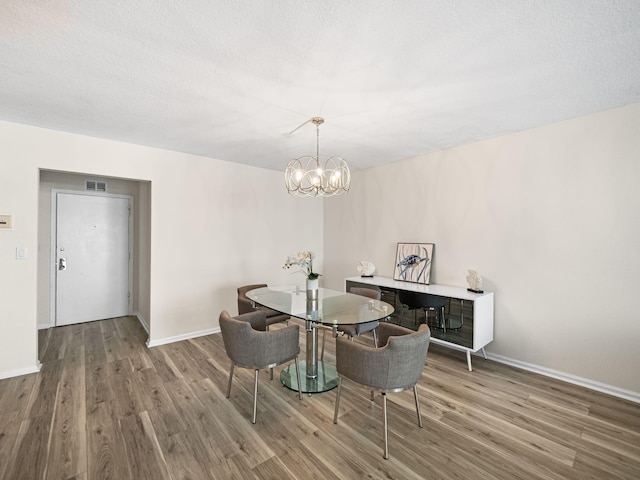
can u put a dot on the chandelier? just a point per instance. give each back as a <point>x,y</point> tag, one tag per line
<point>319,175</point>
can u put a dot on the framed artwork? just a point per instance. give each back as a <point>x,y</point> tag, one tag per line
<point>413,262</point>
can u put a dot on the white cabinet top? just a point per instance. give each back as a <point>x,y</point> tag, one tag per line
<point>442,290</point>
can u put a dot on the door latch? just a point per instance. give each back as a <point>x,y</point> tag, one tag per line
<point>62,264</point>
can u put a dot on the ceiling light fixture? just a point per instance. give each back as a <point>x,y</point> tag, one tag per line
<point>319,176</point>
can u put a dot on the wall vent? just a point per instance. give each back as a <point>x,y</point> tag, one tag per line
<point>95,186</point>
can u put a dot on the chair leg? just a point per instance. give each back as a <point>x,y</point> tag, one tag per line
<point>255,397</point>
<point>375,337</point>
<point>271,373</point>
<point>230,378</point>
<point>386,435</point>
<point>298,375</point>
<point>335,414</point>
<point>324,332</point>
<point>415,395</point>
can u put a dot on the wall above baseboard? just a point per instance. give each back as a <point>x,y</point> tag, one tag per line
<point>566,377</point>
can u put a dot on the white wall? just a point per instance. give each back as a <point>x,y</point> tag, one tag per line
<point>18,341</point>
<point>214,225</point>
<point>549,217</point>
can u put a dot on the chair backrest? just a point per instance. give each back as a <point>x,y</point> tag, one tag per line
<point>237,335</point>
<point>248,344</point>
<point>244,304</point>
<point>394,367</point>
<point>415,300</point>
<point>407,356</point>
<point>367,292</point>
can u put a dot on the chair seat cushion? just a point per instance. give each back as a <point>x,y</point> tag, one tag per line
<point>353,330</point>
<point>348,330</point>
<point>270,312</point>
<point>277,317</point>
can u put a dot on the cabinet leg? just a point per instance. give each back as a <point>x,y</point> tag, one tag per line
<point>484,354</point>
<point>469,360</point>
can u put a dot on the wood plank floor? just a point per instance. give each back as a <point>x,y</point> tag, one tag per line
<point>106,407</point>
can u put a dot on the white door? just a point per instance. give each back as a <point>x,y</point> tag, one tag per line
<point>92,257</point>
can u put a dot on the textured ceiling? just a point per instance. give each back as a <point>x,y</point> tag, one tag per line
<point>393,79</point>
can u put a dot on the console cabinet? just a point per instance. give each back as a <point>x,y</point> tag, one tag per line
<point>468,322</point>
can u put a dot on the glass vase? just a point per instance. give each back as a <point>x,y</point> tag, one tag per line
<point>312,288</point>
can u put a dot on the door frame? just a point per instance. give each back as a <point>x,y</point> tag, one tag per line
<point>53,283</point>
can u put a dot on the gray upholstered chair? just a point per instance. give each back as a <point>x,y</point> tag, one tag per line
<point>360,328</point>
<point>394,367</point>
<point>355,330</point>
<point>249,345</point>
<point>245,306</point>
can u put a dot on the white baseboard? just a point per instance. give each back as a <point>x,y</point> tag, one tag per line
<point>567,377</point>
<point>43,326</point>
<point>21,371</point>
<point>142,321</point>
<point>179,338</point>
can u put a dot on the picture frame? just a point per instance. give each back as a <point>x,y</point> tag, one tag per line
<point>413,262</point>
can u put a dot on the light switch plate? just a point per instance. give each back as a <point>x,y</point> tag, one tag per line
<point>6,222</point>
<point>22,253</point>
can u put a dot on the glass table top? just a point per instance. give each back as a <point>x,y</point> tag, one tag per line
<point>331,308</point>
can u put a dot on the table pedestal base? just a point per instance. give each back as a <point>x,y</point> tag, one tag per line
<point>326,380</point>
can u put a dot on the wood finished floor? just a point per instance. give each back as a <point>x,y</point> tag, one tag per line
<point>105,406</point>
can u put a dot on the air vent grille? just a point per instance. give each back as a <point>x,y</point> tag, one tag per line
<point>96,186</point>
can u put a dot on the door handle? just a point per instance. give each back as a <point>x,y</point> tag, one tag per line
<point>62,264</point>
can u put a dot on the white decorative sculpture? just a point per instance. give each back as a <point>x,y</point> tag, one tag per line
<point>475,281</point>
<point>366,269</point>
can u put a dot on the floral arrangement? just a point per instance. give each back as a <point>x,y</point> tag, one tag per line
<point>304,260</point>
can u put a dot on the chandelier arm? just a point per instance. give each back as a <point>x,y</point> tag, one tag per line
<point>298,127</point>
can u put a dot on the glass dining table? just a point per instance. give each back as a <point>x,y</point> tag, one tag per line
<point>329,309</point>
